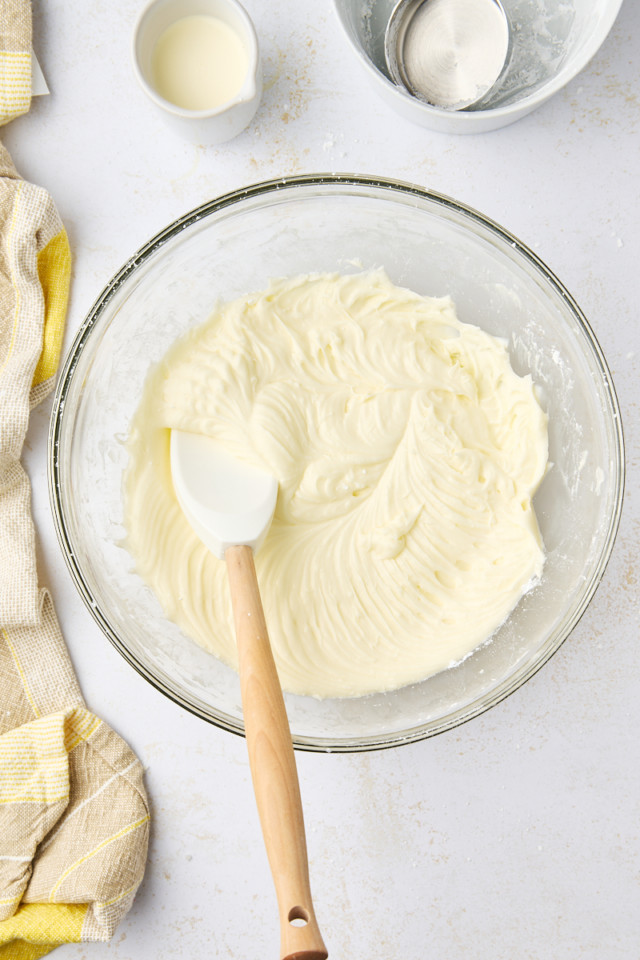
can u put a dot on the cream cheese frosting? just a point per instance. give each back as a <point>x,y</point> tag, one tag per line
<point>407,452</point>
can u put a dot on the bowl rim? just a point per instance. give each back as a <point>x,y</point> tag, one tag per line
<point>510,111</point>
<point>273,187</point>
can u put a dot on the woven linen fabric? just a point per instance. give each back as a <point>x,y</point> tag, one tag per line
<point>15,58</point>
<point>74,817</point>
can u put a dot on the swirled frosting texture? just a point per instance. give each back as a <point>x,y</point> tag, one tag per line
<point>407,452</point>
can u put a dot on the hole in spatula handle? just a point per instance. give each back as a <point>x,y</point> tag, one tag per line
<point>307,943</point>
<point>298,917</point>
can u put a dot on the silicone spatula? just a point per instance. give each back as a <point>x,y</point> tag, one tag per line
<point>230,507</point>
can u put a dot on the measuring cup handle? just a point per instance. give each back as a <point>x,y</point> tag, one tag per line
<point>273,765</point>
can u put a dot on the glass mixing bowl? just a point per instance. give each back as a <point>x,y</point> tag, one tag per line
<point>432,244</point>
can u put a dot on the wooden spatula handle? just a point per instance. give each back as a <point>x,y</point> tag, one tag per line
<point>273,765</point>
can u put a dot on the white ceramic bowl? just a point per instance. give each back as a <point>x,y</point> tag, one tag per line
<point>430,243</point>
<point>552,41</point>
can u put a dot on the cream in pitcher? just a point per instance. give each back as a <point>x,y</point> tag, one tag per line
<point>199,63</point>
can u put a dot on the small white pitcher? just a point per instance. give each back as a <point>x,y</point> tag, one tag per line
<point>223,122</point>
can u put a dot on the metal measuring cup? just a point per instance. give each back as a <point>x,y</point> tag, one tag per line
<point>448,53</point>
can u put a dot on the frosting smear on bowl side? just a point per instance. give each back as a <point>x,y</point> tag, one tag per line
<point>407,452</point>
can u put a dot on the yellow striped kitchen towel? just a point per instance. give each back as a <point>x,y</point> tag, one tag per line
<point>15,58</point>
<point>74,817</point>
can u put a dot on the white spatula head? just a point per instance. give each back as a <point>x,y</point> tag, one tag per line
<point>226,502</point>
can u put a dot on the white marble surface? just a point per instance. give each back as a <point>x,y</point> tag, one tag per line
<point>517,834</point>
